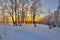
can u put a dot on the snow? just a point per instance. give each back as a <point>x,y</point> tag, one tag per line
<point>29,32</point>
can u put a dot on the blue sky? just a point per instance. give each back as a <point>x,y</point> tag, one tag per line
<point>49,4</point>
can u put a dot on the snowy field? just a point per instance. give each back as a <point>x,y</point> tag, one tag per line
<point>29,32</point>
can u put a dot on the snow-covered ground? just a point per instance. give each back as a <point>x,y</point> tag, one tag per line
<point>29,32</point>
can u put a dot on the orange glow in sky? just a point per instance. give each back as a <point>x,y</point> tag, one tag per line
<point>26,19</point>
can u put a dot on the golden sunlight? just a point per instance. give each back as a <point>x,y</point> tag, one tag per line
<point>26,19</point>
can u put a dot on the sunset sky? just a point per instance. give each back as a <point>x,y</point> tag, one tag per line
<point>49,4</point>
